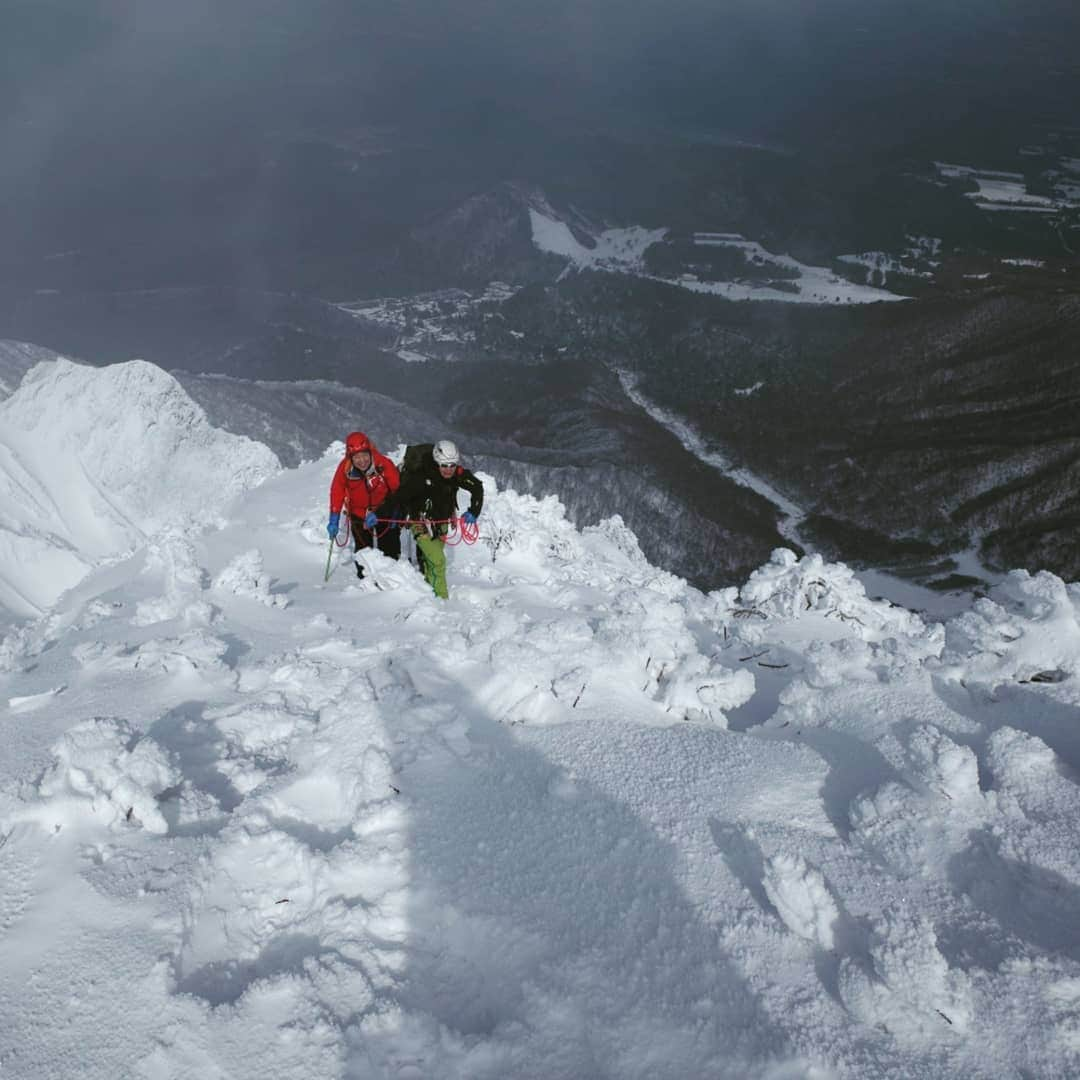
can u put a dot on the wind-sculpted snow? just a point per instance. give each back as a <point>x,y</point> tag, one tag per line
<point>907,987</point>
<point>1030,630</point>
<point>106,762</point>
<point>579,820</point>
<point>801,898</point>
<point>245,576</point>
<point>94,460</point>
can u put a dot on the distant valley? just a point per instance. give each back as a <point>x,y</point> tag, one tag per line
<point>904,369</point>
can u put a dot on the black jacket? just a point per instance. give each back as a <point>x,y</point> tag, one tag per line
<point>424,492</point>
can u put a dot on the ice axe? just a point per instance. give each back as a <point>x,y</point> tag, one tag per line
<point>329,556</point>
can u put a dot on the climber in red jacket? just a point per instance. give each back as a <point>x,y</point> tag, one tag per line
<point>364,481</point>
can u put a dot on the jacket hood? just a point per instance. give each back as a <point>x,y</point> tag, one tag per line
<point>356,442</point>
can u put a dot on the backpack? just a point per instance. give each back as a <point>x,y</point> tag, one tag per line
<point>416,458</point>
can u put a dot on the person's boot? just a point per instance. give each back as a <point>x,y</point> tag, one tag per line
<point>359,571</point>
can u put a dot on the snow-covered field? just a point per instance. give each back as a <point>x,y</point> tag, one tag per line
<point>814,284</point>
<point>1005,190</point>
<point>580,820</point>
<point>623,251</point>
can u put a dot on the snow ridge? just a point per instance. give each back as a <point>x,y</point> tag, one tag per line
<point>580,819</point>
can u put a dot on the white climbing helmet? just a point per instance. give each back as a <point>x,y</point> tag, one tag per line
<point>445,453</point>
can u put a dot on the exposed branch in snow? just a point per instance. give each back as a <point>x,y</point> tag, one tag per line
<point>1055,676</point>
<point>752,656</point>
<point>497,538</point>
<point>660,675</point>
<point>844,617</point>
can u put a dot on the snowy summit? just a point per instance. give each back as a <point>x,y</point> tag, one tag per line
<point>92,461</point>
<point>580,820</point>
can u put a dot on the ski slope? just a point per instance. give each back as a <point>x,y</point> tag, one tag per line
<point>580,820</point>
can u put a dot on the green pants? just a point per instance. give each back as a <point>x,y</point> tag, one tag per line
<point>433,559</point>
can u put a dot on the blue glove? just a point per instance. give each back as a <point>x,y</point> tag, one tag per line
<point>332,525</point>
<point>469,517</point>
<point>370,520</point>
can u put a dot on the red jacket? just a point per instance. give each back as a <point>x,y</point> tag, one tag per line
<point>364,491</point>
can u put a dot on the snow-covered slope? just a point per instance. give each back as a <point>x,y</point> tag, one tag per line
<point>579,820</point>
<point>92,460</point>
<point>16,359</point>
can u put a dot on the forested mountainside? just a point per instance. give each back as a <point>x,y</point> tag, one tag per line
<point>942,421</point>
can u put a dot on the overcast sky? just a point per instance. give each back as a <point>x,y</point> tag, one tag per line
<point>102,99</point>
<point>126,65</point>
